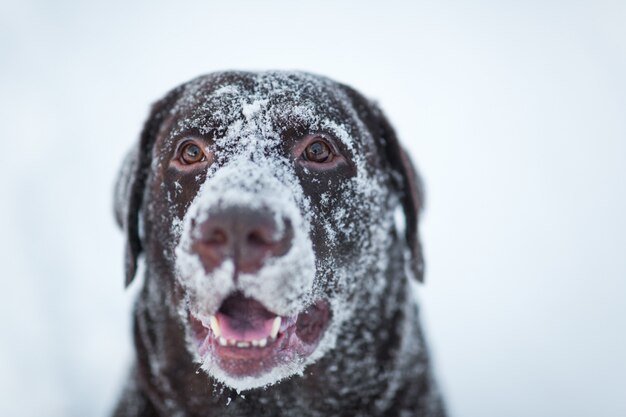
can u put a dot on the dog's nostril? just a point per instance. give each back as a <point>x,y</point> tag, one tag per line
<point>217,237</point>
<point>258,238</point>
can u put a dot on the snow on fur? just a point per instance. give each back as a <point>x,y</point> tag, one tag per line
<point>252,169</point>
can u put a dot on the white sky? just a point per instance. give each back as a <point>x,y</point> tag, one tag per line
<point>513,111</point>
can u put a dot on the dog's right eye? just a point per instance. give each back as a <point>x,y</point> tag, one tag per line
<point>319,152</point>
<point>192,154</point>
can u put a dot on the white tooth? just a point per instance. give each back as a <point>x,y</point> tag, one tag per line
<point>243,344</point>
<point>222,341</point>
<point>215,326</point>
<point>231,342</point>
<point>262,342</point>
<point>255,343</point>
<point>275,327</point>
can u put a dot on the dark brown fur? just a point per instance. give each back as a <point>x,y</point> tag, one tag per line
<point>166,382</point>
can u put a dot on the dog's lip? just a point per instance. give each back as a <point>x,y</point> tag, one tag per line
<point>252,350</point>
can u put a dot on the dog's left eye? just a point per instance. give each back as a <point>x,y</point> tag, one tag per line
<point>318,151</point>
<point>191,154</point>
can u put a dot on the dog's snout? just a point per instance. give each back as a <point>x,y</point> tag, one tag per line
<point>245,235</point>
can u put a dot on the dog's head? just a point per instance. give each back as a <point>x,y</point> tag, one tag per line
<point>266,208</point>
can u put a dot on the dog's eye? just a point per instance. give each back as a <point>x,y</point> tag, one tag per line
<point>191,154</point>
<point>319,152</point>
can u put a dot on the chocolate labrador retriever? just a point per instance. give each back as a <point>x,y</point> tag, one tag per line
<point>277,218</point>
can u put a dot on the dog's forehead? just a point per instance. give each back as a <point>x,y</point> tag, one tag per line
<point>274,102</point>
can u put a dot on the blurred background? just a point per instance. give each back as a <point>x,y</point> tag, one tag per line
<point>513,111</point>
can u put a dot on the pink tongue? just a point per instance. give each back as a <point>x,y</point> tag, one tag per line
<point>247,329</point>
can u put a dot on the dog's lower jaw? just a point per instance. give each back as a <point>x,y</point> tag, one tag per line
<point>399,380</point>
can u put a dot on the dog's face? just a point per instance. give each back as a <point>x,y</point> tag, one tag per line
<point>264,204</point>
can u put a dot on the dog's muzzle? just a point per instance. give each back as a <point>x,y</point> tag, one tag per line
<point>246,265</point>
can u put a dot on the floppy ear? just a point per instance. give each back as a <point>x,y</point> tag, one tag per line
<point>409,183</point>
<point>405,178</point>
<point>131,181</point>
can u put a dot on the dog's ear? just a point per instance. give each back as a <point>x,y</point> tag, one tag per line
<point>125,203</point>
<point>411,188</point>
<point>131,181</point>
<point>405,177</point>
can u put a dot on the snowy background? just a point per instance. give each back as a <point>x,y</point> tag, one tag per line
<point>515,113</point>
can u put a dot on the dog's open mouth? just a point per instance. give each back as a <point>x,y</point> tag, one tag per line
<point>246,339</point>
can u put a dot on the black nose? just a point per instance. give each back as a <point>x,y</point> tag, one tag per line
<point>247,236</point>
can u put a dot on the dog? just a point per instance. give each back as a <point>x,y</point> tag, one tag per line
<point>276,217</point>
